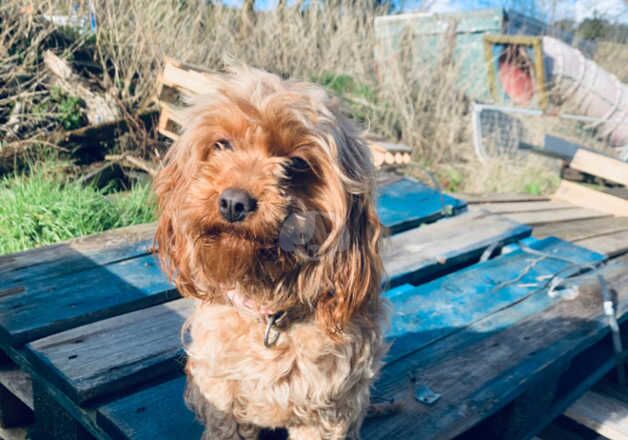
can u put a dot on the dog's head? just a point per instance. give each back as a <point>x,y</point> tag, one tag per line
<point>269,189</point>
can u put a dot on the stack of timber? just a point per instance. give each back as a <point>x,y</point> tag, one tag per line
<point>610,176</point>
<point>180,82</point>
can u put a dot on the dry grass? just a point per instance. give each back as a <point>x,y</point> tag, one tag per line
<point>332,43</point>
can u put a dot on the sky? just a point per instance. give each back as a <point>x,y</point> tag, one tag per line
<point>614,10</point>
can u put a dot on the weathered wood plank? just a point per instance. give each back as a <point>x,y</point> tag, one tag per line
<point>433,310</point>
<point>121,418</point>
<point>516,207</point>
<point>406,203</point>
<point>87,296</point>
<point>75,255</point>
<point>603,414</point>
<point>14,433</point>
<point>53,421</point>
<point>582,229</point>
<point>538,218</point>
<point>422,253</point>
<point>477,198</point>
<point>612,244</point>
<point>107,356</point>
<point>581,195</point>
<point>18,383</point>
<point>602,166</point>
<point>101,358</point>
<point>152,413</point>
<point>561,215</point>
<point>523,340</point>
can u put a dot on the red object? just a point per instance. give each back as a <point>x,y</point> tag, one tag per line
<point>517,82</point>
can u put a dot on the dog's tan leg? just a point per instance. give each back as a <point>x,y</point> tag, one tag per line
<point>338,432</point>
<point>229,430</point>
<point>218,424</point>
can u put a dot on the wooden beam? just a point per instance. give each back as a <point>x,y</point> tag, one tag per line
<point>509,208</point>
<point>609,244</point>
<point>477,198</point>
<point>537,218</point>
<point>589,198</point>
<point>605,167</point>
<point>18,383</point>
<point>603,414</point>
<point>584,229</point>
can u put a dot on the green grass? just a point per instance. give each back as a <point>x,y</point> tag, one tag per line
<point>42,207</point>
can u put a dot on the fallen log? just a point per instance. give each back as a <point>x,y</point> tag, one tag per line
<point>99,107</point>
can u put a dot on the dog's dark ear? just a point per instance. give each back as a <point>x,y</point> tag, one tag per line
<point>355,270</point>
<point>352,263</point>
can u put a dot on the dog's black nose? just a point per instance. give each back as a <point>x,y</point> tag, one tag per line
<point>235,204</point>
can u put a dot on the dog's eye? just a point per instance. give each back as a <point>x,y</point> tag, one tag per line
<point>297,166</point>
<point>222,144</point>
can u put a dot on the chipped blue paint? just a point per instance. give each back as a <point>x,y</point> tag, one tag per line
<point>406,203</point>
<point>432,311</point>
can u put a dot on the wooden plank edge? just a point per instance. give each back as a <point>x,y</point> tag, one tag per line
<point>18,383</point>
<point>20,433</point>
<point>590,411</point>
<point>607,168</point>
<point>585,197</point>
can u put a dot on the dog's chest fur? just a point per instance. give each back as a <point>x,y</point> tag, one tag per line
<point>304,373</point>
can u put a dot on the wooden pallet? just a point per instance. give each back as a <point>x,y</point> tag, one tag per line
<point>105,361</point>
<point>180,82</point>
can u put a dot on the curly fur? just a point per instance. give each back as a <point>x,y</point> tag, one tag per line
<point>312,244</point>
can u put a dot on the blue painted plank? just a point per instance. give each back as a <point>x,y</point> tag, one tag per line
<point>75,299</point>
<point>116,420</point>
<point>430,250</point>
<point>422,254</point>
<point>406,203</point>
<point>432,311</point>
<point>150,414</point>
<point>23,268</point>
<point>484,366</point>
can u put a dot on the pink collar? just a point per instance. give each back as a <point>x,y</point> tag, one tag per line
<point>248,305</point>
<point>257,311</point>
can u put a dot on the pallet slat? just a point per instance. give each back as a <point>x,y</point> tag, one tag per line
<point>110,355</point>
<point>477,198</point>
<point>583,229</point>
<point>525,341</point>
<point>43,308</point>
<point>431,311</point>
<point>602,166</point>
<point>406,203</point>
<point>75,255</point>
<point>118,417</point>
<point>612,244</point>
<point>539,218</point>
<point>526,206</point>
<point>80,360</point>
<point>603,414</point>
<point>420,254</point>
<point>153,413</point>
<point>581,195</point>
